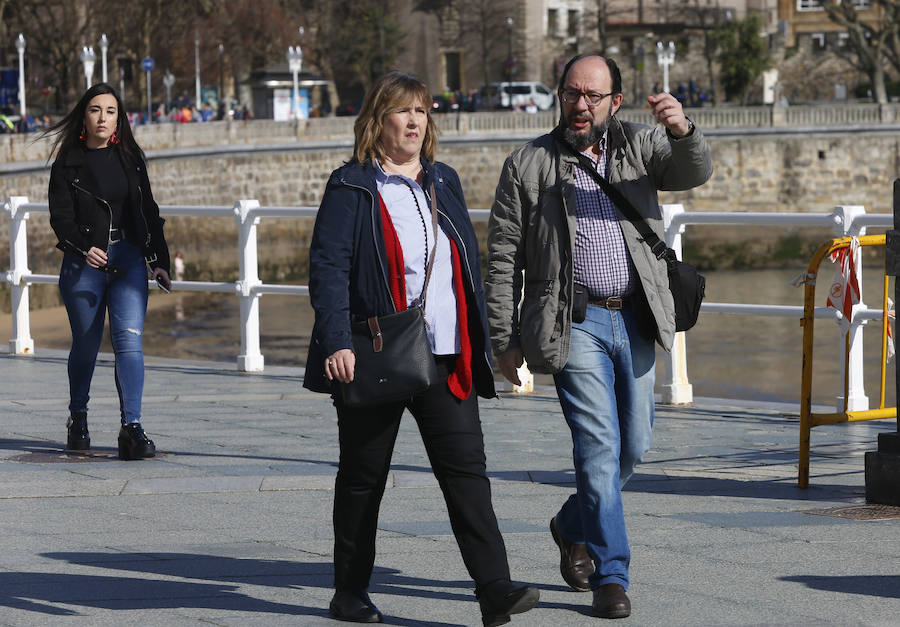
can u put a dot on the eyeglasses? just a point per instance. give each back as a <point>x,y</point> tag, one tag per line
<point>592,99</point>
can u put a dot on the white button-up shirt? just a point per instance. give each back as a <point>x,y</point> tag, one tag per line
<point>409,208</point>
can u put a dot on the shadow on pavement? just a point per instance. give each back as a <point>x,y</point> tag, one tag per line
<point>34,591</point>
<point>133,593</point>
<point>870,585</point>
<point>777,489</point>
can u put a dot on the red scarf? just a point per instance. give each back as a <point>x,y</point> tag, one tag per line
<point>460,380</point>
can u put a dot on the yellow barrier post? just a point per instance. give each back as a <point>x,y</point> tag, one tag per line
<point>808,419</point>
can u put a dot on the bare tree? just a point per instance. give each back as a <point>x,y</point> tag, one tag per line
<point>605,12</point>
<point>891,10</point>
<point>707,18</point>
<point>350,42</point>
<point>480,25</point>
<point>55,30</point>
<point>869,39</point>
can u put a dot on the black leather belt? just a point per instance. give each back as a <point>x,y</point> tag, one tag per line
<point>115,235</point>
<point>613,302</point>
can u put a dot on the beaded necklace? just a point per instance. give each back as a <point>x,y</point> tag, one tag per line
<point>421,217</point>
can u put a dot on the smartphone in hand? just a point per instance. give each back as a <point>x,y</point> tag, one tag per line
<point>167,288</point>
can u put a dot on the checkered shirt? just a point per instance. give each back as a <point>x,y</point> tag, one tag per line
<point>602,262</point>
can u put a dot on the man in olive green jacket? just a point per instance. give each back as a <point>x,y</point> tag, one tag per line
<point>553,221</point>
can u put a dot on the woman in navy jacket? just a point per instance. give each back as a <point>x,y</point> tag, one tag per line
<point>375,217</point>
<point>111,235</point>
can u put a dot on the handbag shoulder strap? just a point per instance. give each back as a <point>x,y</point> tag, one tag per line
<point>657,246</point>
<point>432,254</point>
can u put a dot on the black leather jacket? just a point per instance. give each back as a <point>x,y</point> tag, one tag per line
<point>80,217</point>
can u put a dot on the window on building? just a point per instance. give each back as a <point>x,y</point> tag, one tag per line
<point>816,5</point>
<point>573,23</point>
<point>842,39</point>
<point>809,5</point>
<point>553,22</point>
<point>452,70</point>
<point>818,41</point>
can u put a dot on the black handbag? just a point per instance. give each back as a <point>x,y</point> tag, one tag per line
<point>688,286</point>
<point>393,356</point>
<point>393,359</point>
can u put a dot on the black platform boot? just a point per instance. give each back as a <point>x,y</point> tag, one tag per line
<point>78,437</point>
<point>134,443</point>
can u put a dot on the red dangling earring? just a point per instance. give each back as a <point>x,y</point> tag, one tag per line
<point>115,139</point>
<point>83,135</point>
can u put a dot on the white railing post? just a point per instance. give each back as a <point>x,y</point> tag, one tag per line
<point>677,389</point>
<point>250,359</point>
<point>857,400</point>
<point>21,342</point>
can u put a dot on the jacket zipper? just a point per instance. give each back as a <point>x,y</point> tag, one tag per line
<point>97,198</point>
<point>569,248</point>
<point>143,217</point>
<point>387,284</point>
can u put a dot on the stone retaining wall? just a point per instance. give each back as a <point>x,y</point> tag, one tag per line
<point>789,172</point>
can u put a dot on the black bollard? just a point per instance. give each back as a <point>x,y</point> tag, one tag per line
<point>883,465</point>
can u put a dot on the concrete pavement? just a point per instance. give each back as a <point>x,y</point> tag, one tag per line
<point>230,524</point>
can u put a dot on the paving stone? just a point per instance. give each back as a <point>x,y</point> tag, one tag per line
<point>231,523</point>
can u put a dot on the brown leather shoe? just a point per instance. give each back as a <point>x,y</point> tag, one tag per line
<point>610,601</point>
<point>575,564</point>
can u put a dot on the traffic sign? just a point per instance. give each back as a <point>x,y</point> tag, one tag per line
<point>147,64</point>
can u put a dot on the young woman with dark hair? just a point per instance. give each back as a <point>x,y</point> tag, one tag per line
<point>111,235</point>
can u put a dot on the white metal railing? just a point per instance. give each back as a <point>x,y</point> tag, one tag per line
<point>845,220</point>
<point>676,389</point>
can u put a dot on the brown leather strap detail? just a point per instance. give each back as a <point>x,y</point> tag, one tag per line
<point>613,302</point>
<point>375,330</point>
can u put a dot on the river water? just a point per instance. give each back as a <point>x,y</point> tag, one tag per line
<point>729,356</point>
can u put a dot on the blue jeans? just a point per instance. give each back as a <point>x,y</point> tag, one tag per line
<point>606,393</point>
<point>88,293</point>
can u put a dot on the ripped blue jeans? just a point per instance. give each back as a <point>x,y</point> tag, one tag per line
<point>88,294</point>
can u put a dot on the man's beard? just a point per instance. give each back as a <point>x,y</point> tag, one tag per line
<point>580,141</point>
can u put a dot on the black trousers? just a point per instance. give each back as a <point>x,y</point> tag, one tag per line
<point>451,431</point>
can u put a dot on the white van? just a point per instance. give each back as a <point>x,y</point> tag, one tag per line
<point>511,94</point>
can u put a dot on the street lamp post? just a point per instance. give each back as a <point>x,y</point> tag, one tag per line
<point>88,57</point>
<point>20,46</point>
<point>295,63</point>
<point>104,46</point>
<point>509,59</point>
<point>197,68</point>
<point>168,81</point>
<point>665,57</point>
<point>221,74</point>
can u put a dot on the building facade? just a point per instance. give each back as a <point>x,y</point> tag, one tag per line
<point>468,43</point>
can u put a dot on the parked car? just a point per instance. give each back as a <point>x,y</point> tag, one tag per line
<point>518,94</point>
